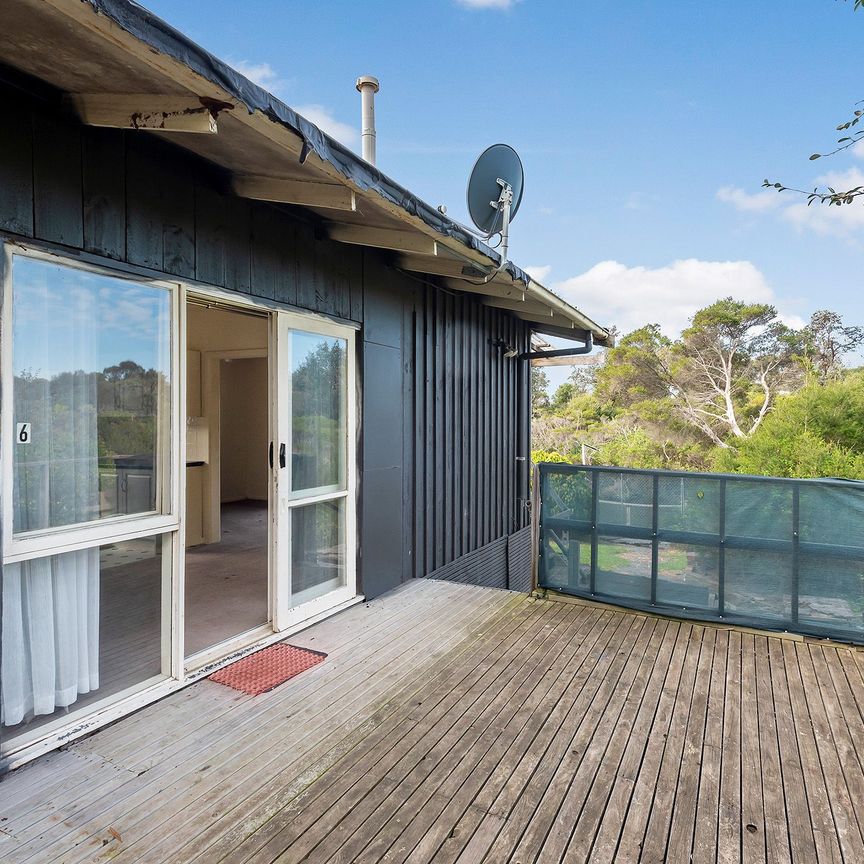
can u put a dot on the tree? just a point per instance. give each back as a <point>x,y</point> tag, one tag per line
<point>562,396</point>
<point>826,340</point>
<point>816,432</point>
<point>720,377</point>
<point>728,366</point>
<point>634,370</point>
<point>583,378</point>
<point>539,391</point>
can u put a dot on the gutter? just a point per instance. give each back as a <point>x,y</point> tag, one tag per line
<point>587,348</point>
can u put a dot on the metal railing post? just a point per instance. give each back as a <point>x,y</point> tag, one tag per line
<point>538,568</point>
<point>796,512</point>
<point>595,492</point>
<point>721,553</point>
<point>655,543</point>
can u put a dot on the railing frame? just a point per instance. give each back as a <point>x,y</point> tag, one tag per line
<point>720,541</point>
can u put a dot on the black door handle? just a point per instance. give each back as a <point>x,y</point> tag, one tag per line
<point>271,454</point>
<point>281,455</point>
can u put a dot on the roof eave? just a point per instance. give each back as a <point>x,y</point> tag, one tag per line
<point>151,40</point>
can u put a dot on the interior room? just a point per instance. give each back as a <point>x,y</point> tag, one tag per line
<point>227,474</point>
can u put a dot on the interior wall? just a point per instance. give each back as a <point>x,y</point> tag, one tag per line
<point>244,430</point>
<point>221,330</point>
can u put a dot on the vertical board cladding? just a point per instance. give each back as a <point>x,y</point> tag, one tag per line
<point>384,523</point>
<point>131,197</point>
<point>470,420</point>
<point>444,412</point>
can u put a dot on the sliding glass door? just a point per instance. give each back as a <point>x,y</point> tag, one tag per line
<point>314,466</point>
<point>93,491</point>
<point>90,508</point>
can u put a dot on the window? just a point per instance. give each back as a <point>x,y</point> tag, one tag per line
<point>90,519</point>
<point>92,392</point>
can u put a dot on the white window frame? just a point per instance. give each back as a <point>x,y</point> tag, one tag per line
<point>286,613</point>
<point>67,538</point>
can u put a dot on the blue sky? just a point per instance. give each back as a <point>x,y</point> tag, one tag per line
<point>114,320</point>
<point>645,130</point>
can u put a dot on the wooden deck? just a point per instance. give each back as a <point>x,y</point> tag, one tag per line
<point>452,723</point>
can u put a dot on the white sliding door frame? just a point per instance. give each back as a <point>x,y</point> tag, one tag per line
<point>286,612</point>
<point>170,522</point>
<point>164,523</point>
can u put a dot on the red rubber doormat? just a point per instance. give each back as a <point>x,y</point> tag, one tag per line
<point>266,669</point>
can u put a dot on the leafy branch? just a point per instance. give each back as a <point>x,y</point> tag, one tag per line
<point>829,197</point>
<point>832,196</point>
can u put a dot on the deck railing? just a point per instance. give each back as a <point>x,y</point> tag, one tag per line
<point>764,552</point>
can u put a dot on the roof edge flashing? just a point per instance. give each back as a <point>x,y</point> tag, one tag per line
<point>163,39</point>
<point>160,36</point>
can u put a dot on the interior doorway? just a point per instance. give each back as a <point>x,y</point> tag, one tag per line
<point>227,476</point>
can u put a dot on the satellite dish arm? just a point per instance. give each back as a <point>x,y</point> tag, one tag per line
<point>503,204</point>
<point>505,196</point>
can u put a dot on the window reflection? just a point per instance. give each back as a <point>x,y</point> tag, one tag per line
<point>91,359</point>
<point>318,375</point>
<point>77,627</point>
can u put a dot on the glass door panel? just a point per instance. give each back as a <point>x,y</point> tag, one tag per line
<point>317,549</point>
<point>79,627</point>
<point>314,487</point>
<point>92,396</point>
<point>318,408</point>
<point>89,516</point>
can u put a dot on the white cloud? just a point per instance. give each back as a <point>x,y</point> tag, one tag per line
<point>846,221</point>
<point>540,272</point>
<point>796,322</point>
<point>747,203</point>
<point>264,75</point>
<point>487,4</point>
<point>323,118</point>
<point>629,297</point>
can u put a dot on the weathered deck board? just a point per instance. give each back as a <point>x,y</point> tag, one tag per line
<point>452,723</point>
<point>218,756</point>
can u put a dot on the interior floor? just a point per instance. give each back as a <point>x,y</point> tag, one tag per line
<point>226,582</point>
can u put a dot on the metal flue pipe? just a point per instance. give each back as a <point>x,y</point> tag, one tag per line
<point>368,87</point>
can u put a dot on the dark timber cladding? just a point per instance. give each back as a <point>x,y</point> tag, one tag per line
<point>444,414</point>
<point>469,429</point>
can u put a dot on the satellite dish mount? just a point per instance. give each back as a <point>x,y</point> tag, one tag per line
<point>494,195</point>
<point>503,205</point>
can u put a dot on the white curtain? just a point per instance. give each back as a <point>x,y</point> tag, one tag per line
<point>50,633</point>
<point>50,624</point>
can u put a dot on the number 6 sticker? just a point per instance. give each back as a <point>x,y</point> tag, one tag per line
<point>22,433</point>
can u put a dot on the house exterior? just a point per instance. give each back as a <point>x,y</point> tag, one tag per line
<point>247,379</point>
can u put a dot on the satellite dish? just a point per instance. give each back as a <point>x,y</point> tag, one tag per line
<point>494,195</point>
<point>495,189</point>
